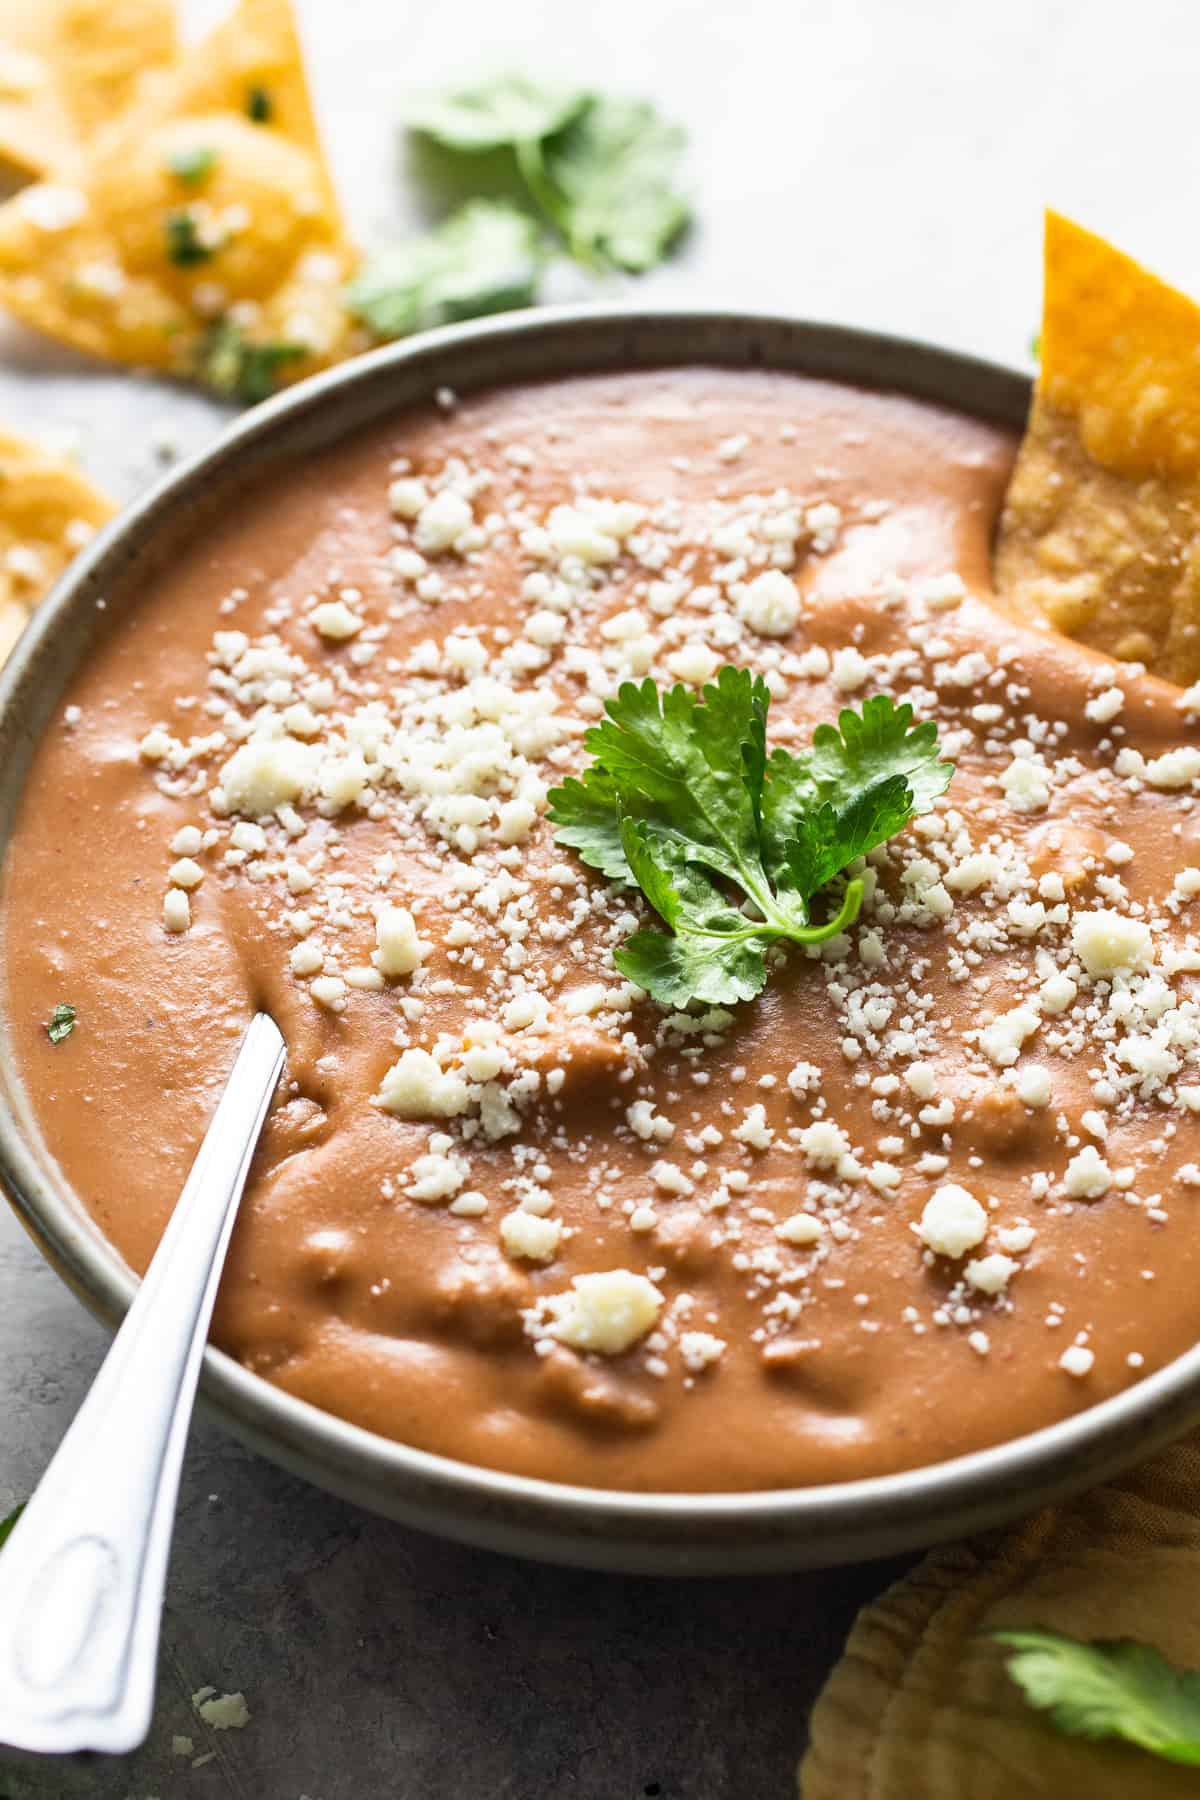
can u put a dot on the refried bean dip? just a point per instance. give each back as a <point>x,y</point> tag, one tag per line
<point>935,1187</point>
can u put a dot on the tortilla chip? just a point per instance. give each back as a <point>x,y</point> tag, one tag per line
<point>68,67</point>
<point>199,233</point>
<point>48,510</point>
<point>1101,528</point>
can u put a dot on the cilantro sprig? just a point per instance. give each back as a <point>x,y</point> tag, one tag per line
<point>496,114</point>
<point>485,258</point>
<point>598,169</point>
<point>609,185</point>
<point>1110,1687</point>
<point>525,170</point>
<point>732,846</point>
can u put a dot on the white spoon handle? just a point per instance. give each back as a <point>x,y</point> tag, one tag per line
<point>82,1575</point>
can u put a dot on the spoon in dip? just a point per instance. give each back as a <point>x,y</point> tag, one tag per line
<point>83,1572</point>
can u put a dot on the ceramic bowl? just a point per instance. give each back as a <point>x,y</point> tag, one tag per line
<point>645,1533</point>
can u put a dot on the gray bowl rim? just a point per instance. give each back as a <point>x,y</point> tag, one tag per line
<point>614,1528</point>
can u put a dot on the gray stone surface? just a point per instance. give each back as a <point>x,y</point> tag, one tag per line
<point>863,160</point>
<point>380,1664</point>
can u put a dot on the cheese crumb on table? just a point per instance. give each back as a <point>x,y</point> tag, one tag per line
<point>224,1712</point>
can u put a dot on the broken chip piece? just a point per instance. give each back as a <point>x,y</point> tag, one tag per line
<point>69,66</point>
<point>1101,528</point>
<point>198,233</point>
<point>48,510</point>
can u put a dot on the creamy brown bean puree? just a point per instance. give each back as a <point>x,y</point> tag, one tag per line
<point>936,1187</point>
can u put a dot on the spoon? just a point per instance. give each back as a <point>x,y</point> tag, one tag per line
<point>83,1571</point>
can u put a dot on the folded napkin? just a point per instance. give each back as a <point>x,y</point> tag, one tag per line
<point>921,1708</point>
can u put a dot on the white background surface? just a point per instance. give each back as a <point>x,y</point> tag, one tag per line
<point>876,162</point>
<point>870,161</point>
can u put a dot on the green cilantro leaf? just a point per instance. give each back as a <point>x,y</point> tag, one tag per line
<point>672,759</point>
<point>237,366</point>
<point>185,246</point>
<point>497,114</point>
<point>61,1023</point>
<point>486,258</point>
<point>850,762</point>
<point>681,796</point>
<point>260,108</point>
<point>600,170</point>
<point>609,185</point>
<point>192,163</point>
<point>591,825</point>
<point>1111,1687</point>
<point>709,955</point>
<point>818,851</point>
<point>7,1524</point>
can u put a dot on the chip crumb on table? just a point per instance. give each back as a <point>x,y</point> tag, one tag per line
<point>48,512</point>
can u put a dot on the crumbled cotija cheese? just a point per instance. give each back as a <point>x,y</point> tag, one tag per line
<point>606,1313</point>
<point>1110,943</point>
<point>1088,1176</point>
<point>700,1350</point>
<point>525,1235</point>
<point>177,911</point>
<point>399,949</point>
<point>1001,1040</point>
<point>416,1087</point>
<point>952,1222</point>
<point>769,604</point>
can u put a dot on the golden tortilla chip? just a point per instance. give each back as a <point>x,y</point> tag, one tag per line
<point>1101,528</point>
<point>48,511</point>
<point>199,233</point>
<point>70,66</point>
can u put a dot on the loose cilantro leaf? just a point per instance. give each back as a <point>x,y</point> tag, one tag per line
<point>486,258</point>
<point>192,163</point>
<point>185,246</point>
<point>598,169</point>
<point>260,108</point>
<point>60,1024</point>
<point>1111,1687</point>
<point>7,1524</point>
<point>681,796</point>
<point>497,114</point>
<point>609,185</point>
<point>236,365</point>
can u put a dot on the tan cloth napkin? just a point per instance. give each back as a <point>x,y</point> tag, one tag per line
<point>920,1706</point>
